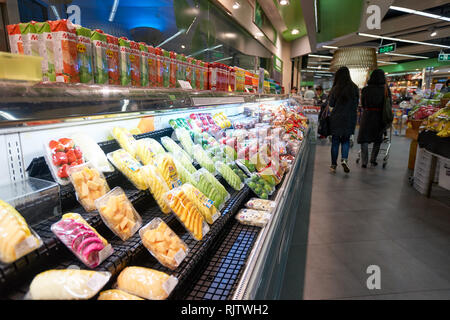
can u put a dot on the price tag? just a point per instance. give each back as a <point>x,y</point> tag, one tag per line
<point>185,84</point>
<point>179,256</point>
<point>169,284</point>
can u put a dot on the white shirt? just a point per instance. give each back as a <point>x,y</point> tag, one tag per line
<point>309,95</point>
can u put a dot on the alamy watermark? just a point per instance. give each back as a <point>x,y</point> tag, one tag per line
<point>374,280</point>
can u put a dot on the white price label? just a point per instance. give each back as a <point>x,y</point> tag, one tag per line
<point>169,284</point>
<point>179,256</point>
<point>105,253</point>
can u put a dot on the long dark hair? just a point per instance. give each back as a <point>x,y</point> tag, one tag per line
<point>377,78</point>
<point>343,86</point>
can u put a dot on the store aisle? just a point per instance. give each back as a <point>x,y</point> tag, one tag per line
<point>369,217</point>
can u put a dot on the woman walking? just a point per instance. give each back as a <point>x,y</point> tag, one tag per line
<point>344,98</point>
<point>372,127</point>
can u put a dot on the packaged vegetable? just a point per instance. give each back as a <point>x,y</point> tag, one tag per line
<point>202,158</point>
<point>118,213</point>
<point>185,139</point>
<point>129,166</point>
<point>253,217</point>
<point>60,156</point>
<point>168,170</point>
<point>135,59</point>
<point>147,149</point>
<point>89,184</point>
<point>65,50</point>
<point>259,186</point>
<point>229,175</point>
<point>173,147</point>
<point>157,186</point>
<point>203,204</point>
<point>112,56</point>
<point>67,284</point>
<point>16,238</point>
<point>92,151</point>
<point>84,55</point>
<point>208,188</point>
<point>260,204</point>
<point>163,243</point>
<point>115,294</point>
<point>125,139</point>
<point>124,61</point>
<point>146,283</point>
<point>46,50</point>
<point>100,59</point>
<point>83,240</point>
<point>187,213</point>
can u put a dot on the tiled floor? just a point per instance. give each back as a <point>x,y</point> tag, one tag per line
<point>370,217</point>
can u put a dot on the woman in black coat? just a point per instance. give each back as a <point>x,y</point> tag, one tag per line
<point>344,99</point>
<point>371,127</point>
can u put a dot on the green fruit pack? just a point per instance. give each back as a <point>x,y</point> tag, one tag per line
<point>124,61</point>
<point>145,55</point>
<point>46,50</point>
<point>100,59</point>
<point>84,56</point>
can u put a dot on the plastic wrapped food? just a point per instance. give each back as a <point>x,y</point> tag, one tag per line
<point>229,175</point>
<point>60,155</point>
<point>125,140</point>
<point>92,151</point>
<point>173,147</point>
<point>166,166</point>
<point>187,213</point>
<point>246,166</point>
<point>238,171</point>
<point>68,284</point>
<point>206,185</point>
<point>163,243</point>
<point>253,217</point>
<point>261,204</point>
<point>16,238</point>
<point>184,175</point>
<point>184,161</point>
<point>259,186</point>
<point>185,139</point>
<point>129,166</point>
<point>83,240</point>
<point>89,184</point>
<point>203,204</point>
<point>147,149</point>
<point>179,123</point>
<point>157,186</point>
<point>118,213</point>
<point>146,283</point>
<point>115,294</point>
<point>203,158</point>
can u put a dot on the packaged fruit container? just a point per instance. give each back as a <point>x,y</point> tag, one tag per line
<point>184,137</point>
<point>259,186</point>
<point>60,155</point>
<point>202,157</point>
<point>129,167</point>
<point>82,239</point>
<point>157,186</point>
<point>173,147</point>
<point>125,139</point>
<point>163,243</point>
<point>92,152</point>
<point>118,213</point>
<point>203,204</point>
<point>253,217</point>
<point>89,184</point>
<point>166,167</point>
<point>147,149</point>
<point>183,173</point>
<point>209,186</point>
<point>229,175</point>
<point>261,204</point>
<point>238,171</point>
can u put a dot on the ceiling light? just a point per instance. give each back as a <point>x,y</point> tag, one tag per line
<point>433,32</point>
<point>172,37</point>
<point>319,67</point>
<point>223,59</point>
<point>405,55</point>
<point>295,31</point>
<point>284,2</point>
<point>113,10</point>
<point>183,46</point>
<point>320,56</point>
<point>330,47</point>
<point>259,34</point>
<point>386,62</point>
<point>402,40</point>
<point>420,13</point>
<point>236,5</point>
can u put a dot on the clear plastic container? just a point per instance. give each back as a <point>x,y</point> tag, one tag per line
<point>129,166</point>
<point>147,149</point>
<point>173,147</point>
<point>185,139</point>
<point>261,204</point>
<point>259,186</point>
<point>229,175</point>
<point>163,243</point>
<point>210,187</point>
<point>125,139</point>
<point>166,166</point>
<point>118,213</point>
<point>82,239</point>
<point>92,151</point>
<point>253,217</point>
<point>89,184</point>
<point>203,204</point>
<point>202,157</point>
<point>157,186</point>
<point>184,175</point>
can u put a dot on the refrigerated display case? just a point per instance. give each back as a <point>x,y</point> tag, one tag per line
<point>232,261</point>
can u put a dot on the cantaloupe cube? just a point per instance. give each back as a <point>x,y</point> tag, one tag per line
<point>108,212</point>
<point>160,247</point>
<point>159,237</point>
<point>78,178</point>
<point>128,212</point>
<point>93,185</point>
<point>88,202</point>
<point>150,236</point>
<point>84,190</point>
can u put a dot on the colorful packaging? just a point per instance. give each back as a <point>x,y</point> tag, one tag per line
<point>159,68</point>
<point>152,66</point>
<point>173,70</point>
<point>65,50</point>
<point>198,75</point>
<point>46,50</point>
<point>145,55</point>
<point>189,71</point>
<point>112,56</point>
<point>15,39</point>
<point>84,55</point>
<point>166,167</point>
<point>261,204</point>
<point>100,62</point>
<point>181,68</point>
<point>205,68</point>
<point>135,59</point>
<point>124,61</point>
<point>129,167</point>
<point>203,204</point>
<point>30,39</point>
<point>165,68</point>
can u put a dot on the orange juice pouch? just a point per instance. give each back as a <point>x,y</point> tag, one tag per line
<point>46,50</point>
<point>145,55</point>
<point>152,66</point>
<point>100,61</point>
<point>65,49</point>
<point>84,55</point>
<point>30,39</point>
<point>112,55</point>
<point>15,39</point>
<point>124,61</point>
<point>135,59</point>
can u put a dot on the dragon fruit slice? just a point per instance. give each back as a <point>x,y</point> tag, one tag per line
<point>90,254</point>
<point>80,237</point>
<point>86,242</point>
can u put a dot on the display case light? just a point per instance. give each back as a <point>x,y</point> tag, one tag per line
<point>284,2</point>
<point>402,40</point>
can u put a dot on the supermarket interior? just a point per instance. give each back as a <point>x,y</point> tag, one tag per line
<point>185,150</point>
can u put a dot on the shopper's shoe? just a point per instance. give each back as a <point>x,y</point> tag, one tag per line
<point>364,166</point>
<point>333,169</point>
<point>345,166</point>
<point>374,163</point>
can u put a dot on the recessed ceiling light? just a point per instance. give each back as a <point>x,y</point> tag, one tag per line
<point>284,2</point>
<point>402,40</point>
<point>329,47</point>
<point>295,31</point>
<point>183,46</point>
<point>236,5</point>
<point>433,32</point>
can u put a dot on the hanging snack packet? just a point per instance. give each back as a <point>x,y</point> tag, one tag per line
<point>112,56</point>
<point>124,61</point>
<point>84,55</point>
<point>135,59</point>
<point>46,50</point>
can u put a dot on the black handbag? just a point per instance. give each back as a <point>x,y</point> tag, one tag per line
<point>324,122</point>
<point>388,114</point>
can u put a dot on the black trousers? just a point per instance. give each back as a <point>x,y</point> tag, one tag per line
<point>365,152</point>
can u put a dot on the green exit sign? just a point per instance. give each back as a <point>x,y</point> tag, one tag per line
<point>444,57</point>
<point>387,48</point>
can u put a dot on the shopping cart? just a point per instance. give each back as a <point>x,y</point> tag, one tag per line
<point>384,148</point>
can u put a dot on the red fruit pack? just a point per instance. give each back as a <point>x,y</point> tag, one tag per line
<point>112,54</point>
<point>15,39</point>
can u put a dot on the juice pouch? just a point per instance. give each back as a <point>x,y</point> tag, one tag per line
<point>124,61</point>
<point>198,75</point>
<point>189,70</point>
<point>152,65</point>
<point>15,39</point>
<point>181,74</point>
<point>84,55</point>
<point>65,50</point>
<point>173,70</point>
<point>112,56</point>
<point>165,68</point>
<point>135,59</point>
<point>159,68</point>
<point>46,50</point>
<point>205,68</point>
<point>145,55</point>
<point>100,46</point>
<point>30,39</point>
